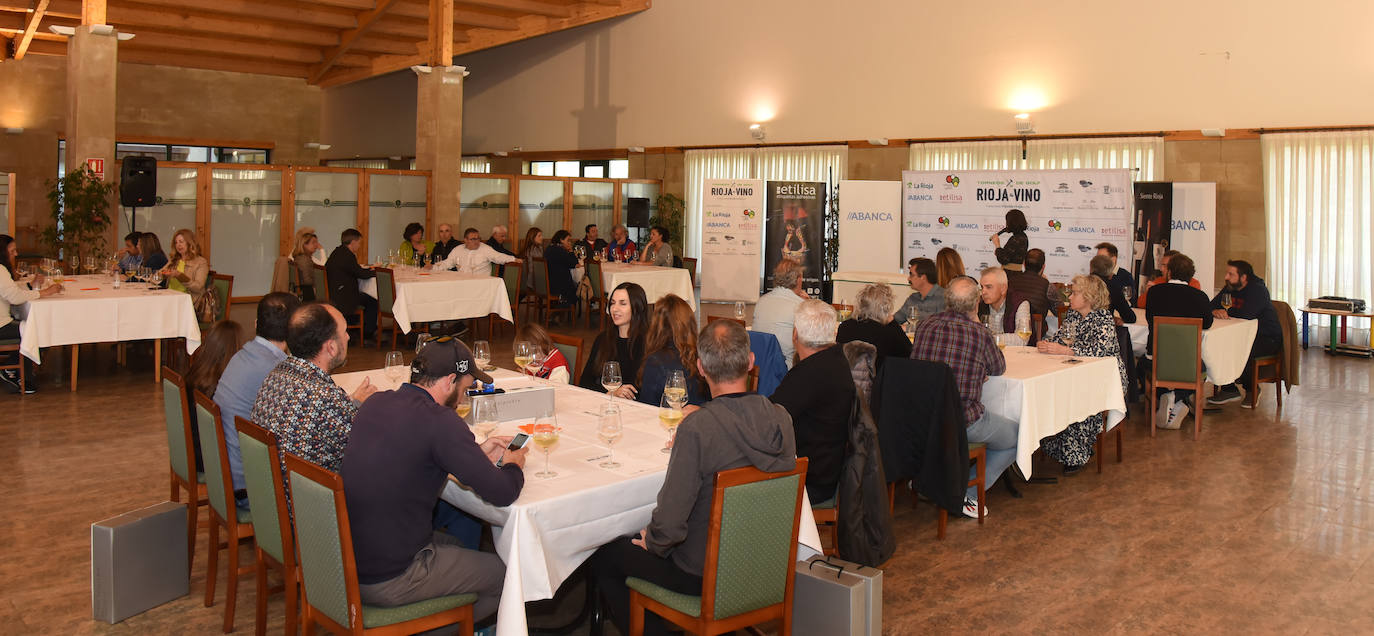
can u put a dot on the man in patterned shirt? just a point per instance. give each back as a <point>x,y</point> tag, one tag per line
<point>956,338</point>
<point>310,414</point>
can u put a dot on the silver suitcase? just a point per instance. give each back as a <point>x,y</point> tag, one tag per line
<point>836,597</point>
<point>138,561</point>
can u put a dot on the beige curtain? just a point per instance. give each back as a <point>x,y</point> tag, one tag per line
<point>1002,154</point>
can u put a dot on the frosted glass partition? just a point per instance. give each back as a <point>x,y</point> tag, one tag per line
<point>485,203</point>
<point>394,200</point>
<point>328,202</point>
<point>245,227</point>
<point>5,203</point>
<point>593,202</point>
<point>637,190</point>
<point>541,206</point>
<point>174,209</point>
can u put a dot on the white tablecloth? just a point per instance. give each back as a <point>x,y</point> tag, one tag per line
<point>445,295</point>
<point>1046,394</point>
<point>656,281</point>
<point>1225,347</point>
<point>92,310</point>
<point>558,523</point>
<point>847,285</point>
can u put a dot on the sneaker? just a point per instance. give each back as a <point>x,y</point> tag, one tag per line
<point>1166,404</point>
<point>11,379</point>
<point>1176,416</point>
<point>971,508</point>
<point>1225,395</point>
<point>1253,401</point>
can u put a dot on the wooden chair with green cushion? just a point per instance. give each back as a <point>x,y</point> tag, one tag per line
<point>237,522</point>
<point>181,455</point>
<point>750,554</point>
<point>598,293</point>
<point>222,285</point>
<point>276,547</point>
<point>571,347</point>
<point>12,346</point>
<point>540,289</point>
<point>547,299</point>
<point>293,277</point>
<point>690,264</point>
<point>386,301</point>
<point>511,277</point>
<point>1274,362</point>
<point>321,286</point>
<point>322,295</point>
<point>1177,364</point>
<point>330,574</point>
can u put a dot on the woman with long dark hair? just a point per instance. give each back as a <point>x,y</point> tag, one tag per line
<point>672,346</point>
<point>531,248</point>
<point>948,265</point>
<point>150,248</point>
<point>623,342</point>
<point>13,293</point>
<point>1014,252</point>
<point>221,342</point>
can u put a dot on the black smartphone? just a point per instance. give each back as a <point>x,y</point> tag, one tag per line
<point>516,443</point>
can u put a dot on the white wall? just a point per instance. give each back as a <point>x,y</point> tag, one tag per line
<point>372,118</point>
<point>696,72</point>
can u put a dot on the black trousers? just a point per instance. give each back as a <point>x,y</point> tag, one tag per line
<point>615,561</point>
<point>370,308</point>
<point>10,332</point>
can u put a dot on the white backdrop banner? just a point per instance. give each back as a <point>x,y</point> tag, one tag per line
<point>870,226</point>
<point>731,239</point>
<point>1194,229</point>
<point>1069,211</point>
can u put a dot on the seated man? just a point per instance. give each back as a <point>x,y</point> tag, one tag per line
<point>1119,277</point>
<point>1176,299</point>
<point>955,338</point>
<point>774,311</point>
<point>1164,278</point>
<point>1101,267</point>
<point>129,258</point>
<point>927,298</point>
<point>343,273</point>
<point>592,241</point>
<point>819,395</point>
<point>498,240</point>
<point>403,446</point>
<point>242,378</point>
<point>735,429</point>
<point>1031,284</point>
<point>1004,311</point>
<point>474,256</point>
<point>299,401</point>
<point>446,242</point>
<point>1249,301</point>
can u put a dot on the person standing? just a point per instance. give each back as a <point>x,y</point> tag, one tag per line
<point>1014,252</point>
<point>1101,267</point>
<point>927,298</point>
<point>343,272</point>
<point>1120,279</point>
<point>1249,301</point>
<point>775,310</point>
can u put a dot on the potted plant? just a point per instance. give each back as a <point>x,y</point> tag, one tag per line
<point>671,213</point>
<point>79,204</point>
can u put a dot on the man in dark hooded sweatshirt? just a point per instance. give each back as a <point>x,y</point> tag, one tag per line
<point>735,429</point>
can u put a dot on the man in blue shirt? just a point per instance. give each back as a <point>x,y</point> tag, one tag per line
<point>243,376</point>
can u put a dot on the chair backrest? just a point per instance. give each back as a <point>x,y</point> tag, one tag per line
<point>223,286</point>
<point>571,346</point>
<point>324,541</point>
<point>386,290</point>
<point>292,276</point>
<point>710,319</point>
<point>753,378</point>
<point>541,276</point>
<point>262,475</point>
<point>753,541</point>
<point>1037,326</point>
<point>598,283</point>
<point>177,415</point>
<point>219,485</point>
<point>321,285</point>
<point>511,276</point>
<point>690,264</point>
<point>1177,350</point>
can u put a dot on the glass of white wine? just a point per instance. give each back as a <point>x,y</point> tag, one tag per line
<point>464,405</point>
<point>536,360</point>
<point>545,438</point>
<point>1024,333</point>
<point>524,351</point>
<point>676,387</point>
<point>610,430</point>
<point>669,416</point>
<point>395,366</point>
<point>610,378</point>
<point>481,354</point>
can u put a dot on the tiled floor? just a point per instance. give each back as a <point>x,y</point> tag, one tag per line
<point>1266,525</point>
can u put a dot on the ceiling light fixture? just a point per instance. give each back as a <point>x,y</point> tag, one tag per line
<point>757,131</point>
<point>1024,125</point>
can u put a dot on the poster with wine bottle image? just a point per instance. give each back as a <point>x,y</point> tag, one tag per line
<point>1153,223</point>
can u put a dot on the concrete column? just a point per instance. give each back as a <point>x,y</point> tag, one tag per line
<point>439,138</point>
<point>92,61</point>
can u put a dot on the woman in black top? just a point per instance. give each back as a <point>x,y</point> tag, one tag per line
<point>1015,249</point>
<point>672,346</point>
<point>561,262</point>
<point>624,343</point>
<point>873,323</point>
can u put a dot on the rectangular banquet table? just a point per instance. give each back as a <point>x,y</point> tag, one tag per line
<point>91,310</point>
<point>443,295</point>
<point>656,281</point>
<point>557,523</point>
<point>1225,347</point>
<point>1046,394</point>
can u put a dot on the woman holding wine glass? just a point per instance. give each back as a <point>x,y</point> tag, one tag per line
<point>623,343</point>
<point>188,270</point>
<point>1088,330</point>
<point>672,347</point>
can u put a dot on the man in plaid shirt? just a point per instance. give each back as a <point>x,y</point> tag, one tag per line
<point>956,338</point>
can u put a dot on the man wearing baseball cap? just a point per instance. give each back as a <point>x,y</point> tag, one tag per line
<point>403,446</point>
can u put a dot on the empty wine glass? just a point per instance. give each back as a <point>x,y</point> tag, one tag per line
<point>154,279</point>
<point>610,430</point>
<point>610,377</point>
<point>739,310</point>
<point>485,416</point>
<point>420,341</point>
<point>481,354</point>
<point>395,366</point>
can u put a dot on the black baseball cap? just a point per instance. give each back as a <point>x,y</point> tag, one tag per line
<point>442,356</point>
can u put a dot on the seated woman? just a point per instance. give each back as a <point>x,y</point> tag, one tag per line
<point>1088,330</point>
<point>530,249</point>
<point>556,367</point>
<point>188,271</point>
<point>671,346</point>
<point>562,262</point>
<point>621,249</point>
<point>873,323</point>
<point>302,258</point>
<point>222,341</point>
<point>658,251</point>
<point>13,293</point>
<point>151,250</point>
<point>415,250</point>
<point>624,343</point>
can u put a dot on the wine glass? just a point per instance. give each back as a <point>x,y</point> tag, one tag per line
<point>155,279</point>
<point>524,351</point>
<point>464,405</point>
<point>739,310</point>
<point>610,430</point>
<point>420,341</point>
<point>610,377</point>
<point>485,415</point>
<point>1226,300</point>
<point>845,310</point>
<point>537,357</point>
<point>669,416</point>
<point>545,438</point>
<point>116,280</point>
<point>481,354</point>
<point>676,386</point>
<point>395,366</point>
<point>1128,293</point>
<point>1024,333</point>
<point>88,264</point>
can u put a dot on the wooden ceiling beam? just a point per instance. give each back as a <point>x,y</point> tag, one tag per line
<point>93,11</point>
<point>292,12</point>
<point>524,6</point>
<point>466,17</point>
<point>440,33</point>
<point>366,20</point>
<point>169,57</point>
<point>21,47</point>
<point>4,47</point>
<point>355,5</point>
<point>132,16</point>
<point>280,51</point>
<point>59,8</point>
<point>534,26</point>
<point>387,45</point>
<point>48,47</point>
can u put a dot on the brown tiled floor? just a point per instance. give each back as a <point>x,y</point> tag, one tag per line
<point>1265,525</point>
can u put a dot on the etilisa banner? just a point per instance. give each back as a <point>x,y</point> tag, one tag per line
<point>796,221</point>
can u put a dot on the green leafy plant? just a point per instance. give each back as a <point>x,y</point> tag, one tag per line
<point>80,204</point>
<point>671,213</point>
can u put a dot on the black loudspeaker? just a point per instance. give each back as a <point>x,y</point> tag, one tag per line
<point>138,182</point>
<point>637,212</point>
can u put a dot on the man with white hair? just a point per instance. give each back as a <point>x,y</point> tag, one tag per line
<point>1004,311</point>
<point>774,311</point>
<point>498,240</point>
<point>955,338</point>
<point>818,393</point>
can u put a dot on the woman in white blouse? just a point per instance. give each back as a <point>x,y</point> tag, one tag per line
<point>13,294</point>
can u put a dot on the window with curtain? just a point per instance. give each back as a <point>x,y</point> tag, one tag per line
<point>721,163</point>
<point>1002,154</point>
<point>1318,204</point>
<point>1143,156</point>
<point>475,164</point>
